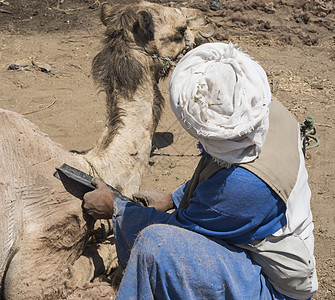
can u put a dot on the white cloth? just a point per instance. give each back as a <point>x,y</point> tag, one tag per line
<point>221,97</point>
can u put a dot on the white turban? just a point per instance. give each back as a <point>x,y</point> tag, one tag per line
<point>221,97</point>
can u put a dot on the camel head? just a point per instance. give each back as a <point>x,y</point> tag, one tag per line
<point>141,38</point>
<point>150,27</point>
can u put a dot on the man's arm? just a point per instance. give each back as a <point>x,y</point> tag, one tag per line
<point>99,203</point>
<point>152,198</point>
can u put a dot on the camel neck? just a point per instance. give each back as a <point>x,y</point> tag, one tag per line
<point>129,148</point>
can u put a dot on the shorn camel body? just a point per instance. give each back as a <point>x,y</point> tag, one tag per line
<point>42,229</point>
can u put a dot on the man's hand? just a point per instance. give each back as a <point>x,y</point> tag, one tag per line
<point>99,203</point>
<point>156,199</point>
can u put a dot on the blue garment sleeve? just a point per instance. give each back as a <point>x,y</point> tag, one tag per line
<point>233,205</point>
<point>178,194</point>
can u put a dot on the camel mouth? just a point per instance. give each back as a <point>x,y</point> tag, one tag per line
<point>167,62</point>
<point>199,29</point>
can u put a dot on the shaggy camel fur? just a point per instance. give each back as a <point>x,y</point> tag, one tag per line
<point>43,232</point>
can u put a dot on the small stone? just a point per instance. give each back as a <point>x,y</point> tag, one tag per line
<point>215,5</point>
<point>46,68</point>
<point>317,86</point>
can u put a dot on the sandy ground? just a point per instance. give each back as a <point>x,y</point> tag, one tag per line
<point>294,41</point>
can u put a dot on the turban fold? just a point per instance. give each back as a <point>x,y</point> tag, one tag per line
<point>221,96</point>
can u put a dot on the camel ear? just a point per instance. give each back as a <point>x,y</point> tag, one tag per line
<point>144,27</point>
<point>106,13</point>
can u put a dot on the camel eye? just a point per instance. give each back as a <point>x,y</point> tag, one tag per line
<point>182,31</point>
<point>179,35</point>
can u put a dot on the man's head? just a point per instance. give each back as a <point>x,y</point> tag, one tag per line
<point>221,97</point>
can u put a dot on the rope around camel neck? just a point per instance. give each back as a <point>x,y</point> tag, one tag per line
<point>168,62</point>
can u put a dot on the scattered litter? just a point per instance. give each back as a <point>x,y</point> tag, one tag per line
<point>5,11</point>
<point>308,131</point>
<point>19,68</point>
<point>95,5</point>
<point>3,2</point>
<point>317,86</point>
<point>45,68</point>
<point>216,5</point>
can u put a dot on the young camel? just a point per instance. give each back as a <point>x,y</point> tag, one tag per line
<point>43,232</point>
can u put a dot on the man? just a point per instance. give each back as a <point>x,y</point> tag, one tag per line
<point>242,228</point>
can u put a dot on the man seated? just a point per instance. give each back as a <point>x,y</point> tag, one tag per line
<point>242,228</point>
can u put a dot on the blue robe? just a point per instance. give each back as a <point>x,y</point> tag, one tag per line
<point>190,253</point>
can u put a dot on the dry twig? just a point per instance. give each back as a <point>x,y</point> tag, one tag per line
<point>5,11</point>
<point>324,125</point>
<point>3,2</point>
<point>38,110</point>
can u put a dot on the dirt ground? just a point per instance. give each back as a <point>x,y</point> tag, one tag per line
<point>293,40</point>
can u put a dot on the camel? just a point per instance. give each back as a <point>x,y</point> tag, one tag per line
<point>43,231</point>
